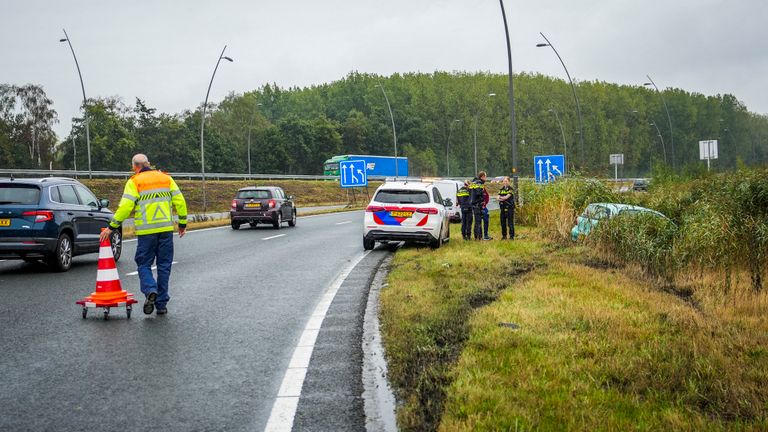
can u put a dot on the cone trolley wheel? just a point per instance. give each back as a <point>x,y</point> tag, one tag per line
<point>128,311</point>
<point>85,312</point>
<point>106,314</point>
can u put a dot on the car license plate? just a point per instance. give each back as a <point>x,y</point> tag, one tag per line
<point>398,213</point>
<point>5,222</point>
<point>253,205</point>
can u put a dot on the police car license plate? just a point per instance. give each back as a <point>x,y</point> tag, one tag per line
<point>253,205</point>
<point>399,213</point>
<point>5,222</point>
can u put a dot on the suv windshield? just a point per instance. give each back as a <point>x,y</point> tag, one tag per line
<point>390,196</point>
<point>254,194</point>
<point>19,194</point>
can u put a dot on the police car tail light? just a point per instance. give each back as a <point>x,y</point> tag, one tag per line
<point>428,210</point>
<point>271,203</point>
<point>374,209</point>
<point>234,203</point>
<point>40,216</point>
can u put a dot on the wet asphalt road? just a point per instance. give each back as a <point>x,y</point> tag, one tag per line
<point>239,302</point>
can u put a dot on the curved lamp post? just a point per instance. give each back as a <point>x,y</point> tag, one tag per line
<point>202,122</point>
<point>575,97</point>
<point>565,145</point>
<point>392,117</point>
<point>513,124</point>
<point>85,105</point>
<point>448,148</point>
<point>669,118</point>
<point>477,115</point>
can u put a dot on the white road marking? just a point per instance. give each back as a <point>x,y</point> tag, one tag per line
<point>284,408</point>
<point>273,237</point>
<point>154,267</point>
<point>342,223</point>
<point>2,260</point>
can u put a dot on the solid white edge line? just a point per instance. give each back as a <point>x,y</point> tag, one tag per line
<point>227,226</point>
<point>287,401</point>
<point>273,237</point>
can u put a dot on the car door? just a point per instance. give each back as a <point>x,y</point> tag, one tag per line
<point>77,215</point>
<point>96,219</point>
<point>285,207</point>
<point>288,204</point>
<point>441,210</point>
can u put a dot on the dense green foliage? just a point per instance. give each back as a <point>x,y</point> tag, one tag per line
<point>26,120</point>
<point>294,130</point>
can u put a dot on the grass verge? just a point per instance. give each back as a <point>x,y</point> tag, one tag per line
<point>597,349</point>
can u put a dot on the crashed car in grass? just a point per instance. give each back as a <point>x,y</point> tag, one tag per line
<point>596,212</point>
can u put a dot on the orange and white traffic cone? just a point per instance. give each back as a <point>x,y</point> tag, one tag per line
<point>109,293</point>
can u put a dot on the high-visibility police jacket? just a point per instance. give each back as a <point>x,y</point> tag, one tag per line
<point>476,188</point>
<point>507,191</point>
<point>462,196</point>
<point>149,195</point>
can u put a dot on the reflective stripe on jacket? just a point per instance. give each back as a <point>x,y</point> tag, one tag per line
<point>476,188</point>
<point>150,195</point>
<point>462,196</point>
<point>506,191</point>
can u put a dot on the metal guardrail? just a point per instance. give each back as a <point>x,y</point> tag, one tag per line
<point>126,174</point>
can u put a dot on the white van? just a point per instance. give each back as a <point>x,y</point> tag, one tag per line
<point>448,189</point>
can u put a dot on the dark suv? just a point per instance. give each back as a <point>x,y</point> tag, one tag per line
<point>52,219</point>
<point>264,204</point>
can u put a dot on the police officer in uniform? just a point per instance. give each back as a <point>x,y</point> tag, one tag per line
<point>463,198</point>
<point>507,210</point>
<point>477,200</point>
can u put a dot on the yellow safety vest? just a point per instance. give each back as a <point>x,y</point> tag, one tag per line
<point>150,195</point>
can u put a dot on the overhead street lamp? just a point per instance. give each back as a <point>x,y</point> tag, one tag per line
<point>565,145</point>
<point>477,115</point>
<point>392,117</point>
<point>669,118</point>
<point>85,103</point>
<point>202,122</point>
<point>575,97</point>
<point>250,126</point>
<point>513,124</point>
<point>448,148</point>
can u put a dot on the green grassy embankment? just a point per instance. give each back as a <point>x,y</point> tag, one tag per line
<point>598,347</point>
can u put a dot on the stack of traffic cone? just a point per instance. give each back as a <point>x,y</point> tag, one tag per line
<point>109,293</point>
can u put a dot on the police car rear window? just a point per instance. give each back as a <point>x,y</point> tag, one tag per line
<point>392,196</point>
<point>19,194</point>
<point>254,194</point>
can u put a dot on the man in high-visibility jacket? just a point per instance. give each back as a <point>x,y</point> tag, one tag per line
<point>149,195</point>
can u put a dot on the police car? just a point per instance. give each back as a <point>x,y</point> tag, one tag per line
<point>406,211</point>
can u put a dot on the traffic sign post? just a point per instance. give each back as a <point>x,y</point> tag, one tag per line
<point>548,168</point>
<point>353,173</point>
<point>616,160</point>
<point>708,150</point>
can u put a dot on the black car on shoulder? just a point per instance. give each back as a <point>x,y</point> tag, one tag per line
<point>52,219</point>
<point>262,204</point>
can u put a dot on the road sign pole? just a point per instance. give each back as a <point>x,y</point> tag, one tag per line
<point>616,172</point>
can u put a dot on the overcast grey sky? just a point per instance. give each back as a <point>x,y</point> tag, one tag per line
<point>164,51</point>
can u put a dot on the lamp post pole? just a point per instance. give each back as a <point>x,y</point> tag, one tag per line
<point>669,119</point>
<point>202,123</point>
<point>85,103</point>
<point>663,147</point>
<point>477,115</point>
<point>565,145</point>
<point>448,148</point>
<point>575,97</point>
<point>513,124</point>
<point>392,117</point>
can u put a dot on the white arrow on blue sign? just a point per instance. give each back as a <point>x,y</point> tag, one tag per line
<point>548,168</point>
<point>353,173</point>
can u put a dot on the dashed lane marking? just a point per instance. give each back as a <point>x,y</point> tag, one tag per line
<point>273,237</point>
<point>343,223</point>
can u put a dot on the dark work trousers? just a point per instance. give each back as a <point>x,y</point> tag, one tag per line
<point>477,213</point>
<point>151,249</point>
<point>466,223</point>
<point>507,216</point>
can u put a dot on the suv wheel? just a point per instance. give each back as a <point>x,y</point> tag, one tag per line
<point>277,224</point>
<point>61,259</point>
<point>292,222</point>
<point>235,225</point>
<point>368,244</point>
<point>435,244</point>
<point>116,239</point>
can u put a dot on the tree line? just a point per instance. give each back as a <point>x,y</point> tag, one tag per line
<point>294,130</point>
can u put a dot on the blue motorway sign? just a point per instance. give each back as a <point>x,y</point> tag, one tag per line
<point>353,173</point>
<point>548,168</point>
